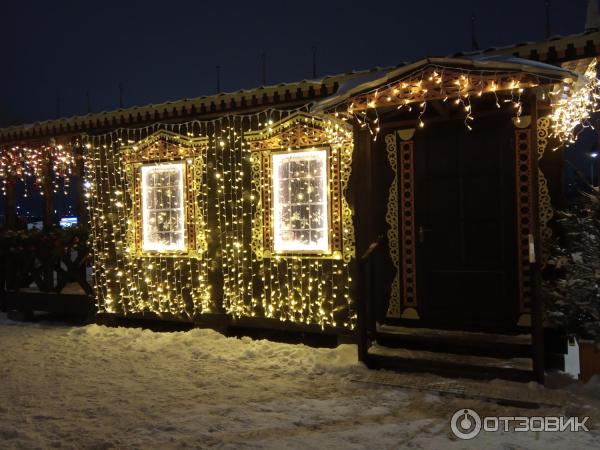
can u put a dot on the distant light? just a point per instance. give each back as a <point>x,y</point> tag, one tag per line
<point>594,155</point>
<point>67,222</point>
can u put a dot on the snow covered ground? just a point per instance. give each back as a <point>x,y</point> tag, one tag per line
<point>102,388</point>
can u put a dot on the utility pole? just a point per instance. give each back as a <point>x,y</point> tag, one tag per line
<point>474,43</point>
<point>263,57</point>
<point>88,102</point>
<point>218,79</point>
<point>314,61</point>
<point>547,5</point>
<point>120,95</point>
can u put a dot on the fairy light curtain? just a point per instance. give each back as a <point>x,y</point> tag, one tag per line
<point>227,263</point>
<point>38,163</point>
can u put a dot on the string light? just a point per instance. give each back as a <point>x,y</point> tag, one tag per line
<point>227,256</point>
<point>236,267</point>
<point>435,82</point>
<point>573,103</point>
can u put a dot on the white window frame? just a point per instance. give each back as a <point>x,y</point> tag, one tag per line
<point>147,244</point>
<point>280,245</point>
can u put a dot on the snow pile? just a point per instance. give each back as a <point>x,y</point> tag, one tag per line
<point>95,387</point>
<point>206,344</point>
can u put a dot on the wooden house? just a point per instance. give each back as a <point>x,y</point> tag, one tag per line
<point>402,207</point>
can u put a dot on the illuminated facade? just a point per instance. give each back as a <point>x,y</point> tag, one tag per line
<point>258,205</point>
<point>250,222</point>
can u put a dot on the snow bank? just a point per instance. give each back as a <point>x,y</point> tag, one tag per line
<point>95,387</point>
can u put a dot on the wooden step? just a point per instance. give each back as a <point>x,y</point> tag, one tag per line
<point>453,341</point>
<point>449,364</point>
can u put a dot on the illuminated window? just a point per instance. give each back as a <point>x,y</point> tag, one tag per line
<point>163,216</point>
<point>300,203</point>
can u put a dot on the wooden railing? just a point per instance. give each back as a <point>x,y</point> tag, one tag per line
<point>46,262</point>
<point>366,323</point>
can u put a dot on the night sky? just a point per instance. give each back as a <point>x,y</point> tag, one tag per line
<point>167,50</point>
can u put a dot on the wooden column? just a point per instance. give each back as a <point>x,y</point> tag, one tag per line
<point>529,237</point>
<point>48,192</point>
<point>537,307</point>
<point>407,225</point>
<point>10,203</point>
<point>362,189</point>
<point>78,180</point>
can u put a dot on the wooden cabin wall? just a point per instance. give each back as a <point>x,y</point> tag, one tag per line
<point>230,273</point>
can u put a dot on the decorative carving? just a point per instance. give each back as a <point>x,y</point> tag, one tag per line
<point>159,147</point>
<point>525,219</point>
<point>297,132</point>
<point>257,219</point>
<point>407,202</point>
<point>545,204</point>
<point>349,248</point>
<point>391,217</point>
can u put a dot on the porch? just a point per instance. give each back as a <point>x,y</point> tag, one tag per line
<point>452,215</point>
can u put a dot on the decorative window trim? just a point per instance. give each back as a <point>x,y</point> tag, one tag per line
<point>327,206</point>
<point>180,168</point>
<point>297,133</point>
<point>164,147</point>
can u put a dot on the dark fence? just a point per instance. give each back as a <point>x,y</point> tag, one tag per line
<point>38,270</point>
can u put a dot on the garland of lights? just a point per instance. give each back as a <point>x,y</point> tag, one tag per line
<point>572,105</point>
<point>231,219</point>
<point>233,265</point>
<point>24,162</point>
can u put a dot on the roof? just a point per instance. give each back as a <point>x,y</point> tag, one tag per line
<point>263,97</point>
<point>555,50</point>
<point>476,63</point>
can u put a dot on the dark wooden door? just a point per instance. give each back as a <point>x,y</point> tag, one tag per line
<point>466,223</point>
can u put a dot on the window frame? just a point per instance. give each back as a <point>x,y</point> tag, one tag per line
<point>328,181</point>
<point>184,188</point>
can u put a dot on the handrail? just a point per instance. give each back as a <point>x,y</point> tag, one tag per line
<point>365,323</point>
<point>372,247</point>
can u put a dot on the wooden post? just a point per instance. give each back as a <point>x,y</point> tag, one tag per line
<point>537,307</point>
<point>10,203</point>
<point>78,178</point>
<point>48,192</point>
<point>362,185</point>
<point>362,190</point>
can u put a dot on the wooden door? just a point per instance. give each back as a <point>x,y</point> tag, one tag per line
<point>465,210</point>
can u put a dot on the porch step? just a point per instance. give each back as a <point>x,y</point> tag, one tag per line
<point>449,364</point>
<point>457,342</point>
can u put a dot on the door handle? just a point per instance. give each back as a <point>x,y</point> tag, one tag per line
<point>422,231</point>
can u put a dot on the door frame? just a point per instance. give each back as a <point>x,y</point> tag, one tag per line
<point>400,218</point>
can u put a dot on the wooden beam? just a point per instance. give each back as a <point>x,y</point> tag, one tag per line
<point>537,307</point>
<point>78,180</point>
<point>10,203</point>
<point>48,192</point>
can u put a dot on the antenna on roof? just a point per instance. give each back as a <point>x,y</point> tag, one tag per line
<point>592,20</point>
<point>547,5</point>
<point>314,61</point>
<point>263,58</point>
<point>474,43</point>
<point>120,95</point>
<point>58,107</point>
<point>218,79</point>
<point>88,101</point>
